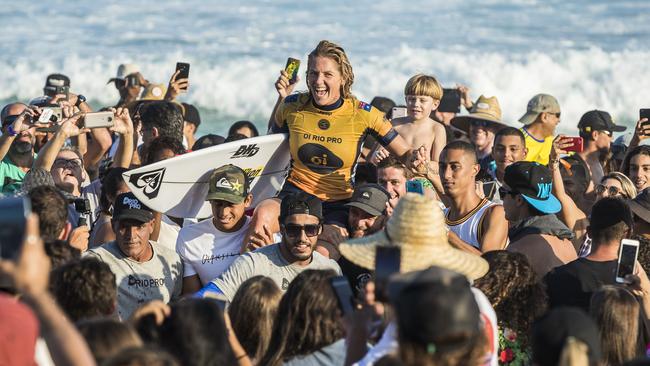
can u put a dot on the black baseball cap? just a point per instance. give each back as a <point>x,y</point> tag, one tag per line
<point>57,80</point>
<point>371,198</point>
<point>191,114</point>
<point>435,305</point>
<point>128,207</point>
<point>301,203</point>
<point>535,183</point>
<point>610,211</point>
<point>598,121</point>
<point>551,332</point>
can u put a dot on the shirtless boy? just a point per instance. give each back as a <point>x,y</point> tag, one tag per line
<point>422,94</point>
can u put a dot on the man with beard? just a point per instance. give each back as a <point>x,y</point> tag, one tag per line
<point>16,145</point>
<point>596,129</point>
<point>301,222</point>
<point>368,215</point>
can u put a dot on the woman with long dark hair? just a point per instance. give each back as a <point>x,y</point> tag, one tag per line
<point>518,299</point>
<point>309,327</point>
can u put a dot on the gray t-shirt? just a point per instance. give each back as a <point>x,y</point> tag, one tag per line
<point>269,262</point>
<point>160,278</point>
<point>334,354</point>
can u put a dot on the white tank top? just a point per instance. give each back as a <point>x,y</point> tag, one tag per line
<point>468,227</point>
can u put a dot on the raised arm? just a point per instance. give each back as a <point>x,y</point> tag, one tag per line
<point>20,124</point>
<point>284,88</point>
<point>30,275</point>
<point>570,214</point>
<point>123,126</point>
<point>51,149</point>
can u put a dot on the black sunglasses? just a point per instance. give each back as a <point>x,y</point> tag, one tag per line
<point>294,230</point>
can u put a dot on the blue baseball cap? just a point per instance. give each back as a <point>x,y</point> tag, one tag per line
<point>534,183</point>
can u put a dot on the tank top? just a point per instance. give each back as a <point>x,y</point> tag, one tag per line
<point>468,228</point>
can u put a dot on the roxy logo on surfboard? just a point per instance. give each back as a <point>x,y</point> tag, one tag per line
<point>148,182</point>
<point>246,151</point>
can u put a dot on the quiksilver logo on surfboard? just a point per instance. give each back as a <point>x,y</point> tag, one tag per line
<point>245,151</point>
<point>148,182</point>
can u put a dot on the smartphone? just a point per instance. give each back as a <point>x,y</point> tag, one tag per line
<point>98,119</point>
<point>415,186</point>
<point>627,255</point>
<point>183,69</point>
<point>398,112</point>
<point>343,292</point>
<point>13,213</point>
<point>292,69</point>
<point>50,114</point>
<point>576,144</point>
<point>645,113</point>
<point>450,101</point>
<point>387,263</point>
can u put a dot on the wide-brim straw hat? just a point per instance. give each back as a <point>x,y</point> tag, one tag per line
<point>418,227</point>
<point>485,109</point>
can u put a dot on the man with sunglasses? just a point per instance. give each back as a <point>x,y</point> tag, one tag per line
<point>301,222</point>
<point>530,207</point>
<point>66,165</point>
<point>541,118</point>
<point>16,146</point>
<point>209,247</point>
<point>596,129</point>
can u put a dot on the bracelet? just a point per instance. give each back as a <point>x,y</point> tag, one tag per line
<point>11,131</point>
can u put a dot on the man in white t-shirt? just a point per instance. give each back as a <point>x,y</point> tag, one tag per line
<point>210,246</point>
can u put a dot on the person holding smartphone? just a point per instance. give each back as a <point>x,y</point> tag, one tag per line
<point>572,284</point>
<point>596,130</point>
<point>326,126</point>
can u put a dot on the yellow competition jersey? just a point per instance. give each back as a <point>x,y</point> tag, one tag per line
<point>325,144</point>
<point>538,151</point>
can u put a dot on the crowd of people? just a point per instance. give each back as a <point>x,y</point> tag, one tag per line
<point>434,238</point>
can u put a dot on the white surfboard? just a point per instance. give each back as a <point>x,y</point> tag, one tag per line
<point>178,186</point>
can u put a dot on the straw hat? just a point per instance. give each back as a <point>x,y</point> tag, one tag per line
<point>485,109</point>
<point>418,227</point>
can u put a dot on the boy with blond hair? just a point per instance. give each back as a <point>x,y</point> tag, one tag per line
<point>422,94</point>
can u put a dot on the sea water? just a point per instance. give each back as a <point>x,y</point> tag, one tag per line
<point>589,54</point>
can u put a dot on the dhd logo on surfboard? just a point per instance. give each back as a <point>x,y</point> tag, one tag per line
<point>148,182</point>
<point>246,151</point>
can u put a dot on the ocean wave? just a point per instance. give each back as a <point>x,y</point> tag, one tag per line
<point>243,88</point>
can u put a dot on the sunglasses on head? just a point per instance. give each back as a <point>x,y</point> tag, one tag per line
<point>295,230</point>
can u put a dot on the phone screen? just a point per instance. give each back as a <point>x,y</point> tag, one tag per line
<point>292,69</point>
<point>626,260</point>
<point>13,212</point>
<point>343,292</point>
<point>387,263</point>
<point>450,101</point>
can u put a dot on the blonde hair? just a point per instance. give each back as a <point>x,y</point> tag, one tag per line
<point>616,311</point>
<point>421,84</point>
<point>627,186</point>
<point>574,353</point>
<point>337,54</point>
